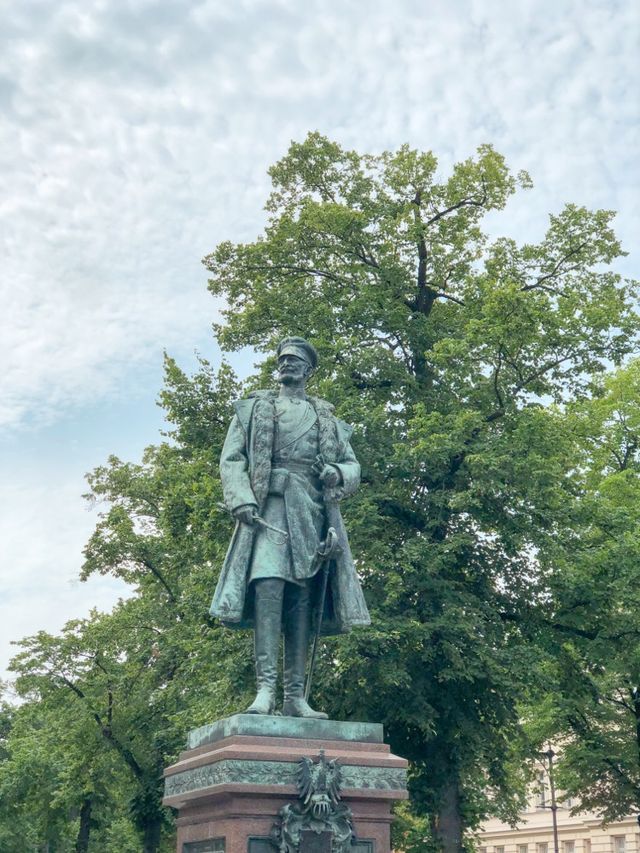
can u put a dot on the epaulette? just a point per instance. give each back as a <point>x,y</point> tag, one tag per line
<point>262,393</point>
<point>324,405</point>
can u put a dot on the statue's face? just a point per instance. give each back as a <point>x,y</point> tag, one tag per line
<point>292,369</point>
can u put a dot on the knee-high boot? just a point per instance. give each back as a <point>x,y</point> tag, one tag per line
<point>297,627</point>
<point>268,625</point>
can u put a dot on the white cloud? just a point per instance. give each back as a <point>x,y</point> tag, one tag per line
<point>139,134</point>
<point>136,135</point>
<point>43,528</point>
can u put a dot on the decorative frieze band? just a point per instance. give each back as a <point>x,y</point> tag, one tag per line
<point>244,772</point>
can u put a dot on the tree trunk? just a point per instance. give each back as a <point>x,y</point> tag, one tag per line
<point>82,841</point>
<point>635,698</point>
<point>151,835</point>
<point>450,819</point>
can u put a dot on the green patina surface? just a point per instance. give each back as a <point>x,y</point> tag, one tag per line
<point>284,773</point>
<point>289,727</point>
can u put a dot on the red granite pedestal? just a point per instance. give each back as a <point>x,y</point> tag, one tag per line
<point>230,785</point>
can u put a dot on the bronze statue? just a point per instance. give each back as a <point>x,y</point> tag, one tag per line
<point>285,464</point>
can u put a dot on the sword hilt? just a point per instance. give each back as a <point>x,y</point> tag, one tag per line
<point>258,520</point>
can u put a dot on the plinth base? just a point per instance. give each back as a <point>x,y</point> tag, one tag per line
<point>237,773</point>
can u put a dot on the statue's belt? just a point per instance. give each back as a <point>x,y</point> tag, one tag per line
<point>295,467</point>
<point>279,479</point>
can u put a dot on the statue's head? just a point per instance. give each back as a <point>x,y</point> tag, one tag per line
<point>297,359</point>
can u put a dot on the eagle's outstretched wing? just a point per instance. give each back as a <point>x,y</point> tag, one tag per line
<point>305,779</point>
<point>334,780</point>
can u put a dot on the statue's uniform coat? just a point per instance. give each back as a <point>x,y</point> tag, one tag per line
<point>246,467</point>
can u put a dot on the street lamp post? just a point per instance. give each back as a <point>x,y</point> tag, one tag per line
<point>550,755</point>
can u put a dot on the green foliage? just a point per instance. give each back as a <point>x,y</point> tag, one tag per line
<point>410,831</point>
<point>442,349</point>
<point>498,499</point>
<point>591,704</point>
<point>53,763</point>
<point>124,687</point>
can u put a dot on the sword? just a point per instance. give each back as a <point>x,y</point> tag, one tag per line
<point>326,551</point>
<point>267,526</point>
<point>259,520</point>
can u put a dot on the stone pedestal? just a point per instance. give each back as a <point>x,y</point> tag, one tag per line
<point>237,773</point>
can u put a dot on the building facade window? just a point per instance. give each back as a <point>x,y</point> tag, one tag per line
<point>618,844</point>
<point>568,846</point>
<point>542,847</point>
<point>541,791</point>
<point>523,848</point>
<point>500,849</point>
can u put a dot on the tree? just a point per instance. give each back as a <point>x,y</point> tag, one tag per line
<point>59,787</point>
<point>455,359</point>
<point>591,700</point>
<point>127,685</point>
<point>84,689</point>
<point>441,348</point>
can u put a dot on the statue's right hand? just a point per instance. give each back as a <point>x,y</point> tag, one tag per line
<point>245,513</point>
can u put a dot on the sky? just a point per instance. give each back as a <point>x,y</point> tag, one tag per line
<point>135,135</point>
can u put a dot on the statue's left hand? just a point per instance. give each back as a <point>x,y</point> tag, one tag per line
<point>330,476</point>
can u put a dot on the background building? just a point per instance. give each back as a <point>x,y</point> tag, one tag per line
<point>581,833</point>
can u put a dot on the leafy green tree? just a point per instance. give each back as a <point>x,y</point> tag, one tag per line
<point>165,532</point>
<point>441,348</point>
<point>445,351</point>
<point>57,782</point>
<point>141,676</point>
<point>591,705</point>
<point>84,681</point>
<point>19,776</point>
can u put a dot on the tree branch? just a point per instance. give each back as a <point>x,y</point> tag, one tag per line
<point>496,379</point>
<point>440,294</point>
<point>293,268</point>
<point>105,730</point>
<point>466,202</point>
<point>158,574</point>
<point>537,374</point>
<point>539,282</point>
<point>366,384</point>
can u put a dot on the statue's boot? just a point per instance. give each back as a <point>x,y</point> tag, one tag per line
<point>268,624</point>
<point>297,627</point>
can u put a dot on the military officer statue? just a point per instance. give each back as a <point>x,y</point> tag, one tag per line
<point>285,464</point>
